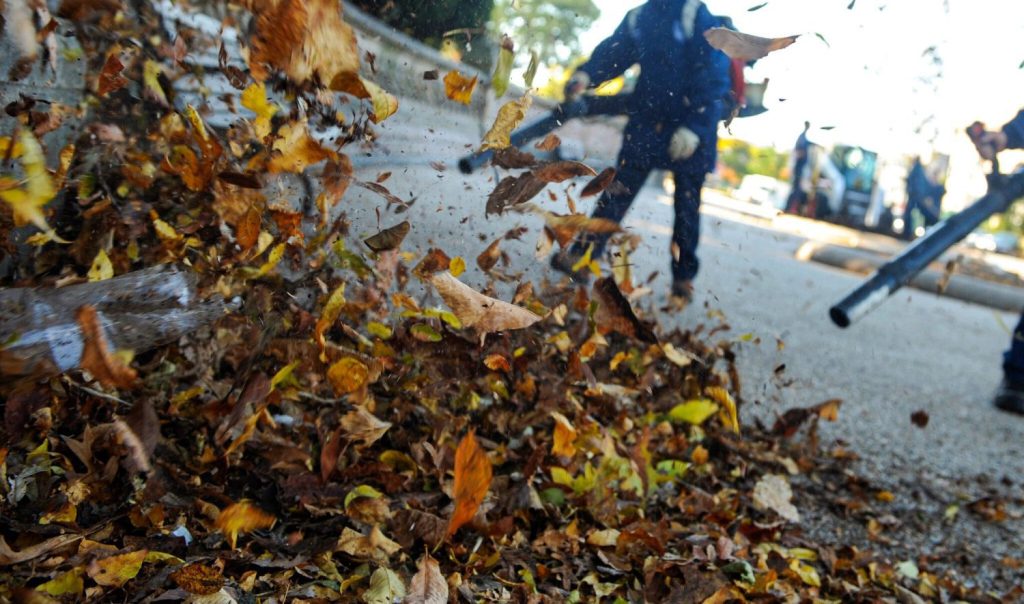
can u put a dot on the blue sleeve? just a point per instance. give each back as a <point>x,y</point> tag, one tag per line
<point>1015,132</point>
<point>614,55</point>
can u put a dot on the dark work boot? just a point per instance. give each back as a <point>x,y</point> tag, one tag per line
<point>682,292</point>
<point>1010,396</point>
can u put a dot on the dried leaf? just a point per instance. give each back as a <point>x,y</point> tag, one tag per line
<point>110,79</point>
<point>478,311</point>
<point>9,556</point>
<point>242,517</point>
<point>694,412</point>
<point>115,571</point>
<point>101,268</point>
<point>550,143</point>
<point>503,69</point>
<point>97,358</point>
<point>723,398</point>
<point>348,376</point>
<point>498,362</point>
<point>305,39</point>
<point>614,313</point>
<point>363,427</point>
<point>490,256</point>
<point>459,88</point>
<point>389,239</point>
<point>434,262</point>
<point>566,228</point>
<point>27,203</point>
<point>65,584</point>
<point>600,182</point>
<point>745,47</point>
<point>564,437</point>
<point>248,230</point>
<point>472,480</point>
<point>198,579</point>
<point>385,587</point>
<point>384,103</point>
<point>295,150</point>
<point>330,314</point>
<point>560,171</point>
<point>254,98</point>
<point>428,585</point>
<point>772,492</point>
<point>509,117</point>
<point>511,158</point>
<point>375,546</point>
<point>513,191</point>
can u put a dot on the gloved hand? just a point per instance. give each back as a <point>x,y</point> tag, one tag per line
<point>577,83</point>
<point>989,144</point>
<point>683,145</point>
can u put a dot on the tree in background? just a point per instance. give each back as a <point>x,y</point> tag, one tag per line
<point>552,28</point>
<point>741,158</point>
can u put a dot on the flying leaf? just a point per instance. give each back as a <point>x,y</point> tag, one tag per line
<point>566,228</point>
<point>615,314</point>
<point>490,256</point>
<point>428,585</point>
<point>457,266</point>
<point>745,47</point>
<point>511,158</point>
<point>560,171</point>
<point>459,88</point>
<point>27,203</point>
<point>330,314</point>
<point>384,103</point>
<point>531,69</point>
<point>254,98</point>
<point>115,571</point>
<point>305,39</point>
<point>242,517</point>
<point>772,492</point>
<point>822,38</point>
<point>296,150</point>
<point>757,7</point>
<point>550,143</point>
<point>485,314</point>
<point>600,182</point>
<point>110,78</point>
<point>472,480</point>
<point>389,239</point>
<point>564,437</point>
<point>97,358</point>
<point>385,587</point>
<point>509,117</point>
<point>435,261</point>
<point>503,70</point>
<point>513,191</point>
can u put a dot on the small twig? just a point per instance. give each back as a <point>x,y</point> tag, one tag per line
<point>320,399</point>
<point>97,393</point>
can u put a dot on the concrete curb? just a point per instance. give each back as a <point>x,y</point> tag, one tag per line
<point>960,287</point>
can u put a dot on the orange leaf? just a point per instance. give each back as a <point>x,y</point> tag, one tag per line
<point>198,579</point>
<point>565,436</point>
<point>110,77</point>
<point>96,356</point>
<point>248,229</point>
<point>459,88</point>
<point>472,479</point>
<point>242,517</point>
<point>347,376</point>
<point>498,362</point>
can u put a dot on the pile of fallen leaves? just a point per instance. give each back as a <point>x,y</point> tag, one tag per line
<point>329,437</point>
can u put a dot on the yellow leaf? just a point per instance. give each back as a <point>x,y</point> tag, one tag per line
<point>561,476</point>
<point>66,514</point>
<point>273,258</point>
<point>27,203</point>
<point>509,117</point>
<point>587,261</point>
<point>604,538</point>
<point>150,77</point>
<point>165,231</point>
<point>155,557</point>
<point>503,70</point>
<point>254,98</point>
<point>384,104</point>
<point>101,269</point>
<point>694,412</point>
<point>459,88</point>
<point>69,583</point>
<point>806,573</point>
<point>473,475</point>
<point>295,150</point>
<point>380,330</point>
<point>330,314</point>
<point>565,436</point>
<point>283,374</point>
<point>457,266</point>
<point>363,490</point>
<point>722,396</point>
<point>115,571</point>
<point>347,376</point>
<point>682,358</point>
<point>242,517</point>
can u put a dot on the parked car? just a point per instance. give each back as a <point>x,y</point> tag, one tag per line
<point>763,190</point>
<point>1003,242</point>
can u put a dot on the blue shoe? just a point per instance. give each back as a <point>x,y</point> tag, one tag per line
<point>1010,396</point>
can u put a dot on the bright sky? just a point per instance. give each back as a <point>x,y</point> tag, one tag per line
<point>865,81</point>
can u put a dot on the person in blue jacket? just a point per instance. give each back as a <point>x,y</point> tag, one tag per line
<point>1010,395</point>
<point>680,97</point>
<point>801,151</point>
<point>923,196</point>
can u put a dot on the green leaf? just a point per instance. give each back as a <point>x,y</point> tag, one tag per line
<point>531,71</point>
<point>363,490</point>
<point>672,468</point>
<point>822,38</point>
<point>285,374</point>
<point>553,496</point>
<point>425,333</point>
<point>380,330</point>
<point>740,570</point>
<point>503,70</point>
<point>694,412</point>
<point>758,7</point>
<point>385,587</point>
